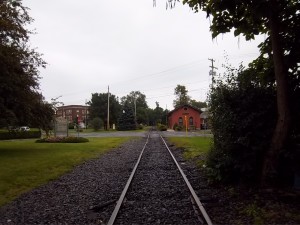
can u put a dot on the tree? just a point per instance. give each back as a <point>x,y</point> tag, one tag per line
<point>98,107</point>
<point>278,20</point>
<point>137,101</point>
<point>182,97</point>
<point>43,116</point>
<point>158,114</point>
<point>126,119</point>
<point>198,104</point>
<point>96,123</point>
<point>19,66</point>
<point>242,125</point>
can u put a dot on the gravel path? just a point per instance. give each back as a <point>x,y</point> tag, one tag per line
<point>158,193</point>
<point>80,196</point>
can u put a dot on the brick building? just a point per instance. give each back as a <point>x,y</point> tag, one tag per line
<point>71,112</point>
<point>185,115</point>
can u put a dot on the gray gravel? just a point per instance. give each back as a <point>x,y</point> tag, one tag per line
<point>77,197</point>
<point>158,193</point>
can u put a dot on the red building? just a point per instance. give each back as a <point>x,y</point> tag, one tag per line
<point>185,116</point>
<point>72,112</point>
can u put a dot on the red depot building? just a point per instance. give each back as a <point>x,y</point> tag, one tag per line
<point>185,116</point>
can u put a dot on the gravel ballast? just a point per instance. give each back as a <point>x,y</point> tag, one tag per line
<point>158,193</point>
<point>84,196</point>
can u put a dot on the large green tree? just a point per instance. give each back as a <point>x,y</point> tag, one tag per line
<point>198,104</point>
<point>181,96</point>
<point>126,119</point>
<point>137,101</point>
<point>278,20</point>
<point>19,66</point>
<point>98,107</point>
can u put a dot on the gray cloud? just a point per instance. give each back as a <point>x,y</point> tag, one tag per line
<point>128,45</point>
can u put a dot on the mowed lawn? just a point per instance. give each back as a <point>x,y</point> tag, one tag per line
<point>194,146</point>
<point>25,164</point>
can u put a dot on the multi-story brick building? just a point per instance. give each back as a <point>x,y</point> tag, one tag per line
<point>72,112</point>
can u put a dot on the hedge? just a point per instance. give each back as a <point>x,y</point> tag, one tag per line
<point>19,135</point>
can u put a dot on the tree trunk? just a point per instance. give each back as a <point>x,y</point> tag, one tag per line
<point>280,133</point>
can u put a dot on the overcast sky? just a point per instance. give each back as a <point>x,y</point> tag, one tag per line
<point>130,46</point>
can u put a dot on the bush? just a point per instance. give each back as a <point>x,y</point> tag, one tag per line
<point>243,116</point>
<point>71,125</point>
<point>175,126</point>
<point>19,135</point>
<point>96,123</point>
<point>161,127</point>
<point>63,140</point>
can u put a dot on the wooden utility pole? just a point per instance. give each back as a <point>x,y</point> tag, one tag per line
<point>212,72</point>
<point>107,108</point>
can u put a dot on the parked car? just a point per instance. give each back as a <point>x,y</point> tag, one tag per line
<point>24,128</point>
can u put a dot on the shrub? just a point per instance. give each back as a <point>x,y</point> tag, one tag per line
<point>175,126</point>
<point>140,126</point>
<point>19,135</point>
<point>243,116</point>
<point>179,128</point>
<point>71,125</point>
<point>63,140</point>
<point>96,123</point>
<point>161,127</point>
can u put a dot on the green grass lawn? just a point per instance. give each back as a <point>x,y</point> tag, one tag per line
<point>194,146</point>
<point>25,164</point>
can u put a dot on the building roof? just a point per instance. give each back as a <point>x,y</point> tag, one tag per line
<point>72,106</point>
<point>185,105</point>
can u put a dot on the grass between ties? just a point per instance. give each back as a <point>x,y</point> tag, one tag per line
<point>25,164</point>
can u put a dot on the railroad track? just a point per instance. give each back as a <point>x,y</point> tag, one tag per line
<point>157,191</point>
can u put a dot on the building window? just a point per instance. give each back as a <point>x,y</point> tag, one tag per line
<point>180,121</point>
<point>185,108</point>
<point>191,121</point>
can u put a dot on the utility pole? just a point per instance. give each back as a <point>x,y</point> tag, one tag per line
<point>212,72</point>
<point>108,108</point>
<point>134,101</point>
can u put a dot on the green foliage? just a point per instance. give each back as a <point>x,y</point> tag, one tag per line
<point>255,212</point>
<point>137,102</point>
<point>243,116</point>
<point>71,125</point>
<point>176,127</point>
<point>19,135</point>
<point>198,104</point>
<point>19,64</point>
<point>182,97</point>
<point>63,140</point>
<point>98,107</point>
<point>279,60</point>
<point>161,127</point>
<point>96,123</point>
<point>126,120</point>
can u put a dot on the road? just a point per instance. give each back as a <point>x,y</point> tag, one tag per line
<point>169,133</point>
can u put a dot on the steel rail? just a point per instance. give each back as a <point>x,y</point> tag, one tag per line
<point>121,199</point>
<point>196,198</point>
